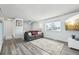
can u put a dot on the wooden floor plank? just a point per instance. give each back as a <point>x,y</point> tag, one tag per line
<point>20,47</point>
<point>24,50</point>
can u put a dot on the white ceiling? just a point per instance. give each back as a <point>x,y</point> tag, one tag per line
<point>36,12</point>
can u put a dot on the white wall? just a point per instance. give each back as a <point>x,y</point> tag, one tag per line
<point>36,26</point>
<point>26,26</point>
<point>63,35</point>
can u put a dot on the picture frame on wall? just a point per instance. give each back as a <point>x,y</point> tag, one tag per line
<point>19,23</point>
<point>53,26</point>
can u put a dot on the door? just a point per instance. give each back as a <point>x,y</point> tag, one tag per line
<point>8,29</point>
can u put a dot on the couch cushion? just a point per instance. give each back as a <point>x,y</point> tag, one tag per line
<point>39,33</point>
<point>29,34</point>
<point>34,33</point>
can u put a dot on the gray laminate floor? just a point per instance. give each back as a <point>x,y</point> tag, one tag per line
<point>20,47</point>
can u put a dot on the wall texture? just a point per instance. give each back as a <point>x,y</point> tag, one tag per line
<point>26,26</point>
<point>36,26</point>
<point>62,35</point>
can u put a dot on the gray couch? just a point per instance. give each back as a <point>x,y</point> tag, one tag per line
<point>32,35</point>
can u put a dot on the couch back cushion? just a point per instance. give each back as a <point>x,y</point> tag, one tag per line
<point>34,32</point>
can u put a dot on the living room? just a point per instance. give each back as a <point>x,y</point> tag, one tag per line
<point>43,29</point>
